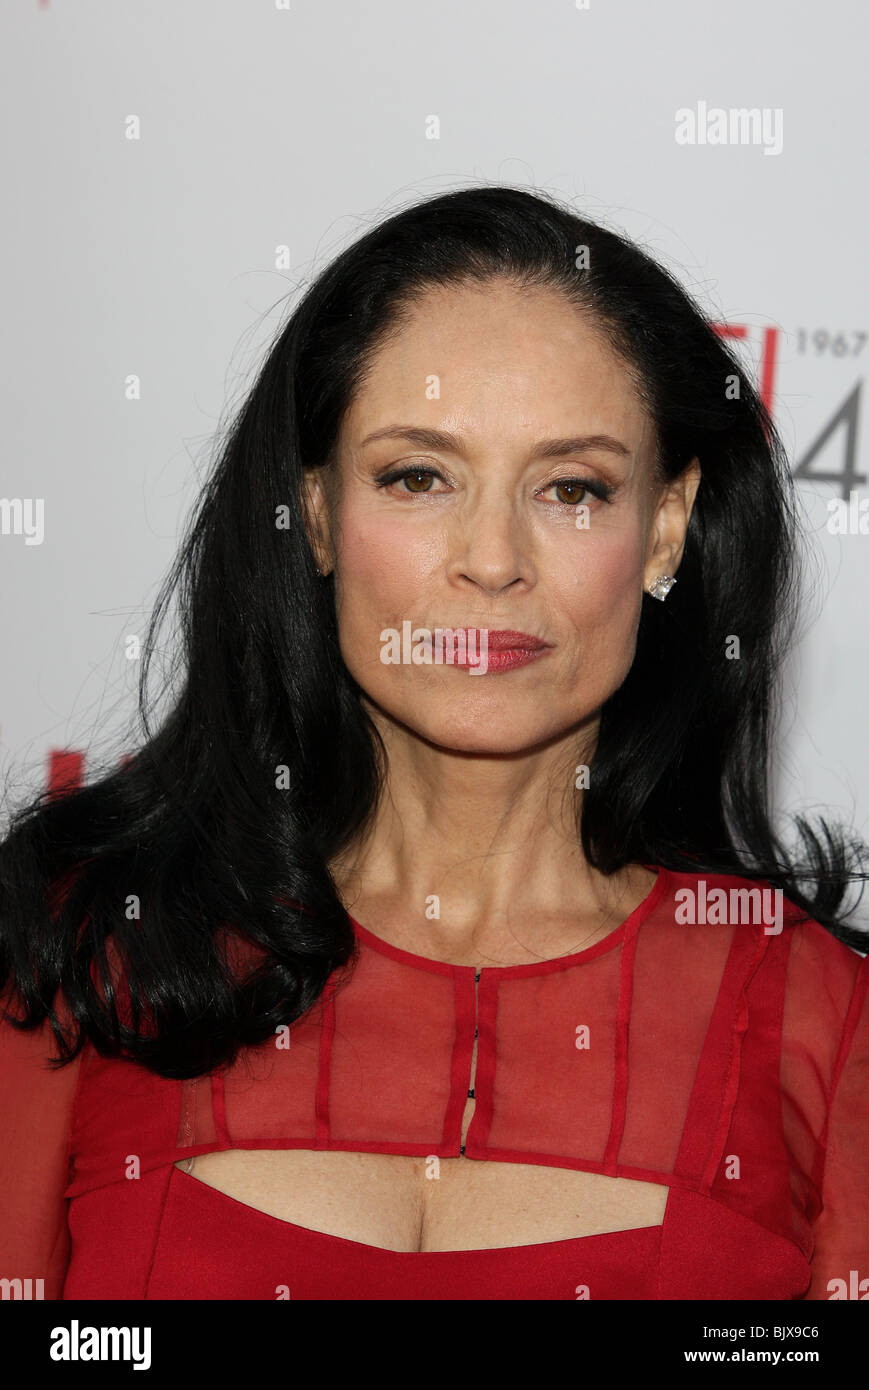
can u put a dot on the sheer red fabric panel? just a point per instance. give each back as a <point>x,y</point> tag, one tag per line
<point>724,1062</point>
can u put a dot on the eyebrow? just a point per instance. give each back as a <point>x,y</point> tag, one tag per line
<point>544,448</point>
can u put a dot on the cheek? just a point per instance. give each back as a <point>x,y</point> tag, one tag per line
<point>379,565</point>
<point>369,554</point>
<point>606,575</point>
<point>384,576</point>
<point>600,600</point>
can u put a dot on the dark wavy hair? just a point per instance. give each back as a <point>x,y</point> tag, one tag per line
<point>197,823</point>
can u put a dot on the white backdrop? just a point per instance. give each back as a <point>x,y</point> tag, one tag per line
<point>257,125</point>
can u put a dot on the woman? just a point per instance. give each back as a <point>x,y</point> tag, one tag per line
<point>439,944</point>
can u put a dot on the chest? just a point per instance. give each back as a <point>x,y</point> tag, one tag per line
<point>429,1204</point>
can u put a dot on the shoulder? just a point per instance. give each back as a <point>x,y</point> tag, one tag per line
<point>823,967</point>
<point>698,898</point>
<point>763,919</point>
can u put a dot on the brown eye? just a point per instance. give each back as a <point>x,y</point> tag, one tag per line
<point>418,476</point>
<point>412,480</point>
<point>572,492</point>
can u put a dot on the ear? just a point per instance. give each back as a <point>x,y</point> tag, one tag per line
<point>669,525</point>
<point>316,514</point>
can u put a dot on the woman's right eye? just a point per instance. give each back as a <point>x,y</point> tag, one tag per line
<point>418,478</point>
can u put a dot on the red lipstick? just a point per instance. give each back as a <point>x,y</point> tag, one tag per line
<point>505,649</point>
<point>507,640</point>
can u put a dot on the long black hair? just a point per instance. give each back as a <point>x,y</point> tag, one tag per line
<point>223,822</point>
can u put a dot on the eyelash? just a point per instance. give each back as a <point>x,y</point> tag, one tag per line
<point>600,490</point>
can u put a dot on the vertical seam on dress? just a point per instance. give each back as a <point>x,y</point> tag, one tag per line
<point>324,1073</point>
<point>218,1110</point>
<point>620,1059</point>
<point>731,1086</point>
<point>451,1132</point>
<point>487,1065</point>
<point>662,1235</point>
<point>156,1244</point>
<point>187,1112</point>
<point>849,1028</point>
<point>714,1062</point>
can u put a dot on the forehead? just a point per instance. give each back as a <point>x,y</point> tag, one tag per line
<point>497,359</point>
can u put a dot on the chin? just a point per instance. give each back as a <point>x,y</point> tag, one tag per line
<point>481,732</point>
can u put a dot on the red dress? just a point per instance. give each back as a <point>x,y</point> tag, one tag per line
<point>725,1061</point>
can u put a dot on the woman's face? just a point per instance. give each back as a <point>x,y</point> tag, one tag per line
<point>505,410</point>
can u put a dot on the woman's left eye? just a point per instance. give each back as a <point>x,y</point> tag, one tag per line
<point>571,490</point>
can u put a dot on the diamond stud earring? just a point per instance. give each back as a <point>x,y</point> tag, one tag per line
<point>662,586</point>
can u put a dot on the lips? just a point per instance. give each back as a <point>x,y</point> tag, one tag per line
<point>486,650</point>
<point>508,640</point>
<point>497,639</point>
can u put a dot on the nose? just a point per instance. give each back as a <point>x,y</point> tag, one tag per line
<point>491,551</point>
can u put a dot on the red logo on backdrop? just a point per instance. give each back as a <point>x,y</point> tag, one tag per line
<point>66,770</point>
<point>845,417</point>
<point>768,352</point>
